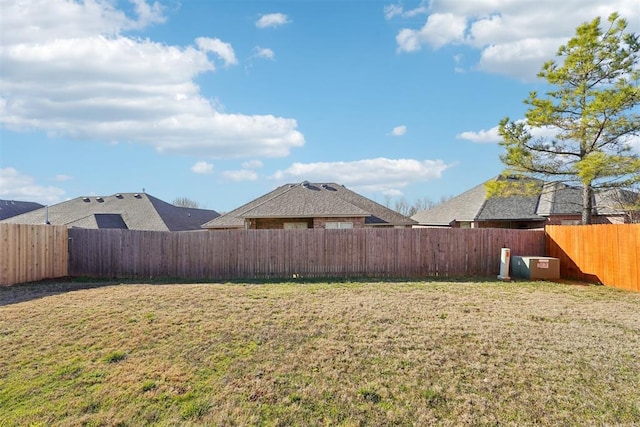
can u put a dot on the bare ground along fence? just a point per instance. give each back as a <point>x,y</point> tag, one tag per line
<point>260,254</point>
<point>609,254</point>
<point>32,252</point>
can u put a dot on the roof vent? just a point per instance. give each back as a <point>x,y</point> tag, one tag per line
<point>310,186</point>
<point>137,196</point>
<point>119,196</point>
<point>85,199</point>
<point>99,199</point>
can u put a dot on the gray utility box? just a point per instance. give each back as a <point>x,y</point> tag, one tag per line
<point>535,267</point>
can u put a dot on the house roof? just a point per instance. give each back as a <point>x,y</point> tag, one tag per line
<point>610,202</point>
<point>464,207</point>
<point>519,207</point>
<point>547,199</point>
<point>311,200</point>
<point>135,211</point>
<point>10,208</point>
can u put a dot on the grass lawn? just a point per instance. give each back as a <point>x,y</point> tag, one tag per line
<point>350,354</point>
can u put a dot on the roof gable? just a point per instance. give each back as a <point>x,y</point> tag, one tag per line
<point>305,200</point>
<point>464,207</point>
<point>11,208</point>
<point>138,211</point>
<point>310,200</point>
<point>550,198</point>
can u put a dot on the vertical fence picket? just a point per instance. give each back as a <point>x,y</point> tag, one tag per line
<point>608,253</point>
<point>32,252</point>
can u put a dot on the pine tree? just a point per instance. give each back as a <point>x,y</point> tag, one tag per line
<point>592,110</point>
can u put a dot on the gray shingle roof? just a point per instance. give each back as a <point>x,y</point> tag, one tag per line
<point>311,200</point>
<point>559,199</point>
<point>549,199</point>
<point>464,207</point>
<point>509,208</point>
<point>138,211</point>
<point>9,208</point>
<point>610,202</point>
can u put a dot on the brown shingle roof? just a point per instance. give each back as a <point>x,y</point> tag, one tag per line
<point>138,211</point>
<point>310,200</point>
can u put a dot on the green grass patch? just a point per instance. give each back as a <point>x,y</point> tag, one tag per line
<point>115,356</point>
<point>319,353</point>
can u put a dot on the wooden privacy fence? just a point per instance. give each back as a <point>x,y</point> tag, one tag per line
<point>259,254</point>
<point>609,254</point>
<point>32,252</point>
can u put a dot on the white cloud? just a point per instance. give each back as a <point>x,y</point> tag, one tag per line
<point>519,58</point>
<point>263,52</point>
<point>393,10</point>
<point>272,20</point>
<point>17,186</point>
<point>42,20</point>
<point>252,164</point>
<point>392,193</point>
<point>202,168</point>
<point>513,37</point>
<point>457,60</point>
<point>220,48</point>
<point>148,13</point>
<point>440,29</point>
<point>374,175</point>
<point>399,130</point>
<point>492,135</point>
<point>240,175</point>
<point>62,178</point>
<point>482,136</point>
<point>68,71</point>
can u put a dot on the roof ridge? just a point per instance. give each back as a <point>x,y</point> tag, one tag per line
<point>248,208</point>
<point>240,210</point>
<point>290,186</point>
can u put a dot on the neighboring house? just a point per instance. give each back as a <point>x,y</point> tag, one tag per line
<point>133,211</point>
<point>549,204</point>
<point>309,205</point>
<point>10,208</point>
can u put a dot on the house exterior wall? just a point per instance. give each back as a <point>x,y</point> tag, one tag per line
<point>552,220</point>
<point>357,222</point>
<point>278,223</point>
<point>576,219</point>
<point>519,225</point>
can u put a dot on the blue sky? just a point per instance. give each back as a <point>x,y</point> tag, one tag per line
<point>222,101</point>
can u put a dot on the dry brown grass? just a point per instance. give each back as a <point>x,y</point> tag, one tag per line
<point>320,354</point>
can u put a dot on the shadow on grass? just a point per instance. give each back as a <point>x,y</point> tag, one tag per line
<point>24,292</point>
